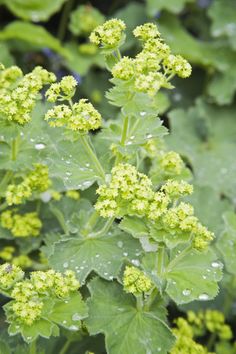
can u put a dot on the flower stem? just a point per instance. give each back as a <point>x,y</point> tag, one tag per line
<point>105,228</point>
<point>32,348</point>
<point>64,20</point>
<point>160,259</point>
<point>87,145</point>
<point>14,148</point>
<point>65,347</point>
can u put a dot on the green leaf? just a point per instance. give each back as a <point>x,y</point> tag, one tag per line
<point>189,276</point>
<point>4,348</point>
<point>223,17</point>
<point>69,313</point>
<point>222,87</point>
<point>104,255</point>
<point>208,144</point>
<point>134,226</point>
<point>127,329</point>
<point>34,10</point>
<point>40,327</point>
<point>226,243</point>
<point>33,34</point>
<point>175,6</point>
<point>5,56</point>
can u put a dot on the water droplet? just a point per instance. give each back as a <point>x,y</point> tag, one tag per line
<point>68,173</point>
<point>39,146</point>
<point>65,265</point>
<point>132,137</point>
<point>97,255</point>
<point>29,338</point>
<point>129,143</point>
<point>105,273</point>
<point>159,349</point>
<point>45,197</point>
<point>203,297</point>
<point>216,264</point>
<point>73,328</point>
<point>135,262</point>
<point>76,317</point>
<point>143,114</point>
<point>120,244</point>
<point>125,254</point>
<point>186,292</point>
<point>149,136</point>
<point>87,164</point>
<point>64,322</point>
<point>204,277</point>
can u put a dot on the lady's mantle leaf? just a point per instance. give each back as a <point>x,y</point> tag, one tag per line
<point>35,10</point>
<point>193,276</point>
<point>33,34</point>
<point>226,242</point>
<point>127,329</point>
<point>104,255</point>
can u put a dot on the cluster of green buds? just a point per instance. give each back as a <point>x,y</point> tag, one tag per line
<point>185,339</point>
<point>18,93</point>
<point>80,116</point>
<point>110,35</point>
<point>131,193</point>
<point>7,254</point>
<point>20,225</point>
<point>9,276</point>
<point>84,19</point>
<point>30,294</point>
<point>135,281</point>
<point>153,67</point>
<point>210,320</point>
<point>36,181</point>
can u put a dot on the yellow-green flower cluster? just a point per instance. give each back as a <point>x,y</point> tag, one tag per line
<point>7,253</point>
<point>131,192</point>
<point>29,294</point>
<point>211,320</point>
<point>184,339</point>
<point>146,32</point>
<point>18,93</point>
<point>73,194</point>
<point>127,186</point>
<point>22,261</point>
<point>171,163</point>
<point>63,90</point>
<point>82,117</point>
<point>177,189</point>
<point>36,181</point>
<point>108,35</point>
<point>9,275</point>
<point>154,66</point>
<point>24,225</point>
<point>84,19</point>
<point>135,281</point>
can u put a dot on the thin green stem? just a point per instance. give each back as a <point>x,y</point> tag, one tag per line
<point>211,341</point>
<point>118,54</point>
<point>105,228</point>
<point>14,148</point>
<point>5,180</point>
<point>87,145</point>
<point>123,137</point>
<point>151,299</point>
<point>32,347</point>
<point>139,302</point>
<point>160,259</point>
<point>64,19</point>
<point>90,223</point>
<point>180,256</point>
<point>60,218</point>
<point>65,347</point>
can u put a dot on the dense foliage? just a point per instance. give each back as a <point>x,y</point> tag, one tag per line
<point>117,187</point>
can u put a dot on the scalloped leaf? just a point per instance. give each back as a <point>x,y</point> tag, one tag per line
<point>104,255</point>
<point>226,242</point>
<point>188,277</point>
<point>33,34</point>
<point>127,329</point>
<point>34,10</point>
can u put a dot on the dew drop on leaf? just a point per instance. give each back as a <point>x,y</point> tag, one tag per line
<point>143,114</point>
<point>120,244</point>
<point>135,262</point>
<point>76,317</point>
<point>65,265</point>
<point>39,146</point>
<point>203,297</point>
<point>216,265</point>
<point>186,292</point>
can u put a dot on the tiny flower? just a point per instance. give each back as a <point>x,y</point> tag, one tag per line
<point>135,281</point>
